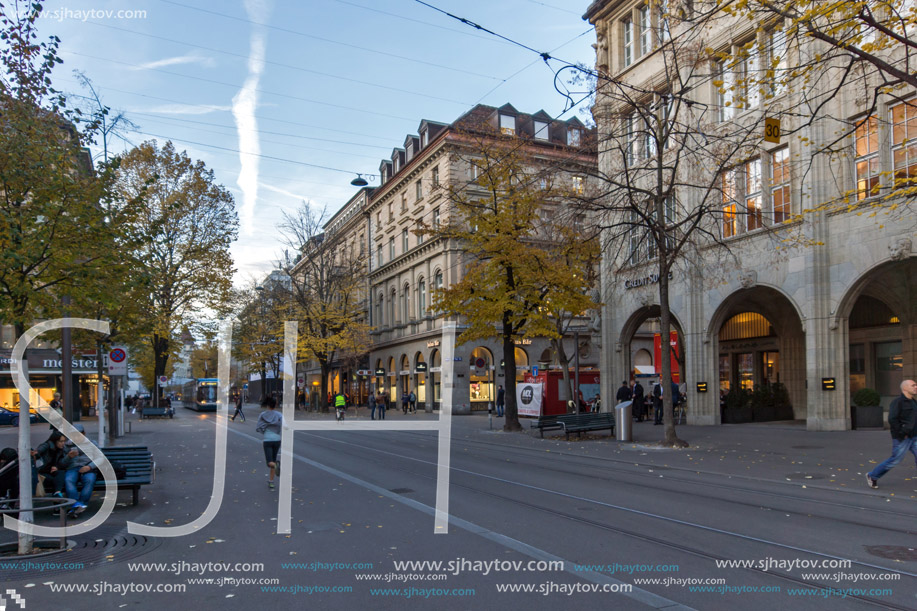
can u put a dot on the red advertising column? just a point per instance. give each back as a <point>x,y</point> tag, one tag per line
<point>657,354</point>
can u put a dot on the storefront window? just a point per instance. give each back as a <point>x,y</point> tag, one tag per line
<point>745,366</point>
<point>435,368</point>
<point>770,365</point>
<point>480,381</point>
<point>889,367</point>
<point>857,367</point>
<point>724,373</point>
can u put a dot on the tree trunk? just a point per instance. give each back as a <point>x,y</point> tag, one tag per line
<point>25,464</point>
<point>564,363</point>
<point>323,387</point>
<point>665,323</point>
<point>511,421</point>
<point>160,359</point>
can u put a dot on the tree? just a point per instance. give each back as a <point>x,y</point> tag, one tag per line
<point>326,292</point>
<point>183,232</point>
<point>667,193</point>
<point>260,334</point>
<point>49,195</point>
<point>516,275</point>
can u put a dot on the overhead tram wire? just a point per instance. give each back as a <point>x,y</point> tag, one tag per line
<point>259,117</point>
<point>273,63</point>
<point>270,157</point>
<point>260,131</point>
<point>331,41</point>
<point>236,86</point>
<point>299,146</point>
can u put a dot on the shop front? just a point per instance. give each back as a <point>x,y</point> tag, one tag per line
<point>44,367</point>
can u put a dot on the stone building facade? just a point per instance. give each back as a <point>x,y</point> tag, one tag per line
<point>824,317</point>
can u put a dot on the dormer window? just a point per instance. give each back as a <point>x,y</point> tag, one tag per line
<point>397,164</point>
<point>541,130</point>
<point>508,125</point>
<point>424,138</point>
<point>573,137</point>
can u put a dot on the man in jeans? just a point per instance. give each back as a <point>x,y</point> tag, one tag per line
<point>78,467</point>
<point>902,420</point>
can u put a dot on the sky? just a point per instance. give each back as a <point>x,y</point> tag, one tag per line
<point>288,101</point>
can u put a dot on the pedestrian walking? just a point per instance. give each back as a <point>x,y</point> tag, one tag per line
<point>58,406</point>
<point>501,400</point>
<point>372,405</point>
<point>238,411</point>
<point>382,404</point>
<point>902,420</point>
<point>412,399</point>
<point>405,401</point>
<point>270,425</point>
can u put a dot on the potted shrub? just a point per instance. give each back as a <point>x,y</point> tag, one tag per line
<point>737,408</point>
<point>867,412</point>
<point>762,404</point>
<point>783,409</point>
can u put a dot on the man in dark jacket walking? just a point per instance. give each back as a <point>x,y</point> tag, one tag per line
<point>902,420</point>
<point>624,393</point>
<point>639,404</point>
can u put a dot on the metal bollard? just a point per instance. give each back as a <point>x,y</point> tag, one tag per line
<point>624,421</point>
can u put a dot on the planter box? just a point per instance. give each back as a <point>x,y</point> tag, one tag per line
<point>765,413</point>
<point>868,416</point>
<point>738,416</point>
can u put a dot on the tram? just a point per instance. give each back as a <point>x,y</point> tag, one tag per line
<point>200,394</point>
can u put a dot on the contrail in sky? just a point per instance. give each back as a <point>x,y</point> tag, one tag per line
<point>243,110</point>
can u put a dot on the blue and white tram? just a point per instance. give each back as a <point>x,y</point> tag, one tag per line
<point>200,394</point>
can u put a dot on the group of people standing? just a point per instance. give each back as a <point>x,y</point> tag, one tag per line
<point>635,393</point>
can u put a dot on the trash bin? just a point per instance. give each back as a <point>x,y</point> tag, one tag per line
<point>624,421</point>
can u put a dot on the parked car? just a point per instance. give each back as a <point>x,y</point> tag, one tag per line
<point>11,418</point>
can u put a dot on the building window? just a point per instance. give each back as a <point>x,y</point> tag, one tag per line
<point>391,308</point>
<point>405,303</point>
<point>753,214</point>
<point>379,221</point>
<point>434,178</point>
<point>867,158</point>
<point>438,281</point>
<point>391,249</point>
<point>419,233</point>
<point>728,189</point>
<point>421,297</point>
<point>541,130</point>
<point>404,240</point>
<point>404,202</point>
<point>778,58</point>
<point>751,77</point>
<point>379,308</point>
<point>573,137</point>
<point>628,27</point>
<point>424,138</point>
<point>780,184</point>
<point>665,33</point>
<point>630,133</point>
<point>578,185</point>
<point>391,212</point>
<point>379,255</point>
<point>904,143</point>
<point>418,190</point>
<point>508,125</point>
<point>635,237</point>
<point>436,218</point>
<point>646,30</point>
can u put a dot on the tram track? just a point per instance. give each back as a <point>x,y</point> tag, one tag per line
<point>645,538</point>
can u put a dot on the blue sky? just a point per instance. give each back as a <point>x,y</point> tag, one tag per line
<point>332,83</point>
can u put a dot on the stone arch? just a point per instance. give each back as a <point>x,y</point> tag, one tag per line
<point>877,353</point>
<point>777,355</point>
<point>630,329</point>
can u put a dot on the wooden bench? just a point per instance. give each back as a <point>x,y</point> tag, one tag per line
<point>580,423</point>
<point>546,423</point>
<point>137,461</point>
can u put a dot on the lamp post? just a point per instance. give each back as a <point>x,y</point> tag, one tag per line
<point>260,290</point>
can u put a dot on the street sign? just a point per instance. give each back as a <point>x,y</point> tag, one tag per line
<point>163,380</point>
<point>300,382</point>
<point>534,370</point>
<point>117,361</point>
<point>772,130</point>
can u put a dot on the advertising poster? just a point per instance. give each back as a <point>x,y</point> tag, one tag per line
<point>528,399</point>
